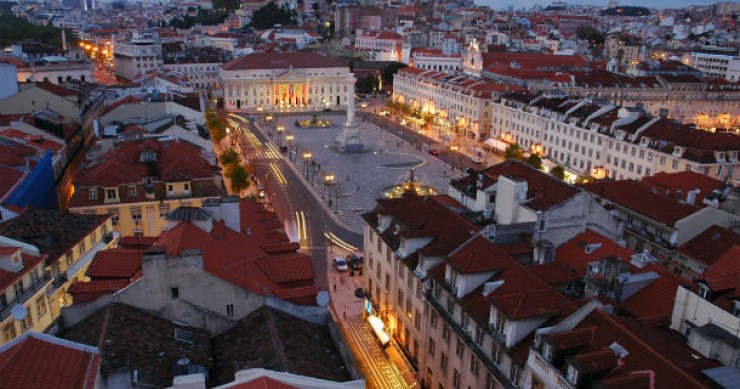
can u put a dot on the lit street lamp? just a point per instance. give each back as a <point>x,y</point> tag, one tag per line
<point>280,130</point>
<point>454,148</point>
<point>306,157</point>
<point>289,138</point>
<point>328,181</point>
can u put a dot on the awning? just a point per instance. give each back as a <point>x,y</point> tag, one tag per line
<point>379,330</point>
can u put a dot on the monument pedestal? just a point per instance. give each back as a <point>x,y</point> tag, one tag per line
<point>349,139</point>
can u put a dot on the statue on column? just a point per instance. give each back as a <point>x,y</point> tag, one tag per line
<point>349,139</point>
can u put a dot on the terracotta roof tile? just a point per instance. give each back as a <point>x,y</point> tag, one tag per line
<point>670,183</point>
<point>573,252</point>
<point>639,199</point>
<point>544,191</point>
<point>724,273</point>
<point>8,278</point>
<point>710,245</point>
<point>115,263</point>
<point>38,361</point>
<point>596,361</point>
<point>555,273</point>
<point>478,256</point>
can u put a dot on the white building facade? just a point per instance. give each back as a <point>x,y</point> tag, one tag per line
<point>299,81</point>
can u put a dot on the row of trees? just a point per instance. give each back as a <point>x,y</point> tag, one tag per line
<point>535,160</point>
<point>234,170</point>
<point>13,29</point>
<point>216,125</point>
<point>204,17</point>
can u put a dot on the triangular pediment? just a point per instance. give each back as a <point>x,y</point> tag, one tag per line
<point>290,76</point>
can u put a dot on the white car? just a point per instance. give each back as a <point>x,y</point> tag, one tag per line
<point>340,264</point>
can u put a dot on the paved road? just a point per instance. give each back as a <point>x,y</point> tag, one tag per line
<point>306,220</point>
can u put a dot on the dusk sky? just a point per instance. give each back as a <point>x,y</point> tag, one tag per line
<point>517,4</point>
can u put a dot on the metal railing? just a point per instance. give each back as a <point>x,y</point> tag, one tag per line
<point>27,293</point>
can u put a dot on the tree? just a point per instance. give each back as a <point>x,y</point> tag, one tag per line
<point>514,151</point>
<point>239,179</point>
<point>589,33</point>
<point>391,70</point>
<point>216,125</point>
<point>558,172</point>
<point>534,160</point>
<point>229,157</point>
<point>226,5</point>
<point>270,15</point>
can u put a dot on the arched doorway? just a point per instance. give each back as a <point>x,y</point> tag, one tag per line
<point>238,104</point>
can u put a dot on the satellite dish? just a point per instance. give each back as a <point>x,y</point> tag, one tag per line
<point>322,298</point>
<point>19,312</point>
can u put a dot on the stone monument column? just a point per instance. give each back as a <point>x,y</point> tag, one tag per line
<point>351,101</point>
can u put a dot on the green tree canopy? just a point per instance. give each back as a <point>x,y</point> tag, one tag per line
<point>229,157</point>
<point>591,34</point>
<point>514,151</point>
<point>226,5</point>
<point>270,15</point>
<point>558,172</point>
<point>13,29</point>
<point>534,160</point>
<point>239,179</point>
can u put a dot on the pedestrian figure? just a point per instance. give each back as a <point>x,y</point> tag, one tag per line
<point>347,178</point>
<point>358,188</point>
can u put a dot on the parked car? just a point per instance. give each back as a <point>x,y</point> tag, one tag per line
<point>355,262</point>
<point>340,264</point>
<point>476,160</point>
<point>434,151</point>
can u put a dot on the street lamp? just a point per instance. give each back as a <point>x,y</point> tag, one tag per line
<point>289,138</point>
<point>328,181</point>
<point>306,157</point>
<point>454,148</point>
<point>280,130</point>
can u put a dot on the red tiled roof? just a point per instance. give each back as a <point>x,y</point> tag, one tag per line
<point>576,338</point>
<point>596,361</point>
<point>57,89</point>
<point>573,252</point>
<point>8,278</point>
<point>239,258</point>
<point>126,100</point>
<point>555,273</point>
<point>136,242</point>
<point>641,200</point>
<point>478,256</point>
<point>657,299</point>
<point>9,178</point>
<point>262,383</point>
<point>544,191</point>
<point>710,245</point>
<point>39,361</point>
<point>670,183</point>
<point>36,141</point>
<point>724,273</point>
<point>301,59</point>
<point>83,292</point>
<point>115,263</point>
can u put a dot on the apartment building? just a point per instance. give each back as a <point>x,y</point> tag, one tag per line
<point>380,41</point>
<point>515,199</point>
<point>140,181</point>
<point>436,60</point>
<point>717,63</point>
<point>42,253</point>
<point>708,103</point>
<point>624,48</point>
<point>602,140</point>
<point>461,307</point>
<point>461,104</point>
<point>655,222</point>
<point>137,55</point>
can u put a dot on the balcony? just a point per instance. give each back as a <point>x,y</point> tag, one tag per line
<point>29,291</point>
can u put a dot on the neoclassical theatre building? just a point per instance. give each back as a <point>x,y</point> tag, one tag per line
<point>298,81</point>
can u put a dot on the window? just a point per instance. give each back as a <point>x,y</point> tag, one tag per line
<point>459,348</point>
<point>515,373</point>
<point>110,194</point>
<point>417,320</point>
<point>93,194</point>
<point>543,225</point>
<point>474,365</point>
<point>131,191</point>
<point>547,351</point>
<point>703,291</point>
<point>455,379</point>
<point>433,319</point>
<point>82,248</point>
<point>9,332</point>
<point>136,214</point>
<point>18,287</point>
<point>446,333</point>
<point>230,310</point>
<point>163,211</point>
<point>175,292</point>
<point>443,364</point>
<point>40,307</point>
<point>496,353</point>
<point>69,258</point>
<point>26,323</point>
<point>187,187</point>
<point>572,374</point>
<point>432,346</point>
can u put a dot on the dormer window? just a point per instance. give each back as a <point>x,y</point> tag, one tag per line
<point>131,191</point>
<point>93,194</point>
<point>111,194</point>
<point>736,308</point>
<point>572,374</point>
<point>547,351</point>
<point>703,291</point>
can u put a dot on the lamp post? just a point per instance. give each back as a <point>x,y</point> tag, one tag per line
<point>306,157</point>
<point>280,130</point>
<point>289,138</point>
<point>328,181</point>
<point>454,148</point>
